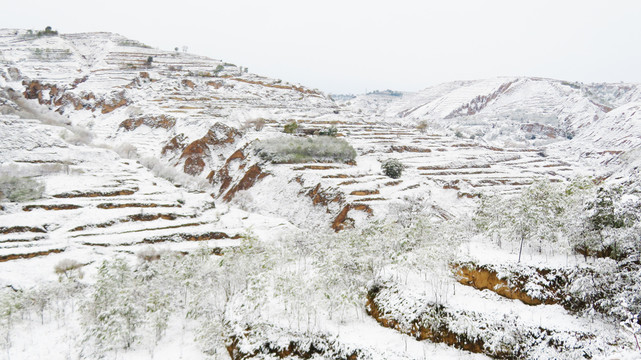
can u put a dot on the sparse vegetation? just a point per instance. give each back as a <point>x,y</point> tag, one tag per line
<point>69,268</point>
<point>19,189</point>
<point>256,124</point>
<point>331,131</point>
<point>133,43</point>
<point>422,126</point>
<point>50,54</point>
<point>291,127</point>
<point>47,32</point>
<point>393,168</point>
<point>311,149</point>
<point>387,92</point>
<point>173,175</point>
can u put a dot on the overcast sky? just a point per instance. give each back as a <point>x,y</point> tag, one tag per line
<point>353,46</point>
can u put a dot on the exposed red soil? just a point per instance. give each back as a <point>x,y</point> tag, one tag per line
<point>451,186</point>
<point>482,279</point>
<point>137,205</point>
<point>134,217</point>
<point>161,121</point>
<point>176,143</point>
<point>546,130</point>
<point>214,235</point>
<point>4,258</point>
<point>405,148</point>
<point>51,207</point>
<point>117,102</point>
<point>253,174</point>
<point>21,229</point>
<point>393,183</point>
<point>315,167</point>
<point>222,176</point>
<point>320,196</point>
<point>78,194</point>
<point>447,167</point>
<point>36,238</point>
<point>196,152</point>
<point>342,176</point>
<point>348,182</point>
<point>419,332</point>
<point>443,173</point>
<point>215,84</point>
<point>188,83</point>
<point>58,96</point>
<point>364,192</point>
<point>291,351</point>
<point>339,222</point>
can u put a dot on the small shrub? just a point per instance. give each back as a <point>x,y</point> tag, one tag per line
<point>458,134</point>
<point>256,124</point>
<point>299,150</point>
<point>69,269</point>
<point>47,32</point>
<point>422,126</point>
<point>393,168</point>
<point>18,189</point>
<point>127,151</point>
<point>259,124</point>
<point>331,131</point>
<point>148,254</point>
<point>291,127</point>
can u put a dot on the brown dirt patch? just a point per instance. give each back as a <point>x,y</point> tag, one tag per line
<point>315,167</point>
<point>405,148</point>
<point>51,207</point>
<point>134,217</point>
<point>482,279</point>
<point>154,122</point>
<point>339,222</point>
<point>214,235</point>
<point>137,205</point>
<point>4,258</point>
<point>320,196</point>
<point>21,229</point>
<point>253,174</point>
<point>364,192</point>
<point>218,135</point>
<point>78,194</point>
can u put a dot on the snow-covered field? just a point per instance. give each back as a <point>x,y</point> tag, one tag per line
<point>147,169</point>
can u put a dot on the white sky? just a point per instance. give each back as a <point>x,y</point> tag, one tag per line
<point>351,46</point>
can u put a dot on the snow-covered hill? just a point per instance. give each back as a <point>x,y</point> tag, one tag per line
<point>526,110</point>
<point>143,152</point>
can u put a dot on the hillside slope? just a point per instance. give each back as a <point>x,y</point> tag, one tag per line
<point>155,162</point>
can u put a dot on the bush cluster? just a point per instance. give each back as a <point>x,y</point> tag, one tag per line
<point>330,131</point>
<point>18,189</point>
<point>312,149</point>
<point>393,168</point>
<point>291,127</point>
<point>47,32</point>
